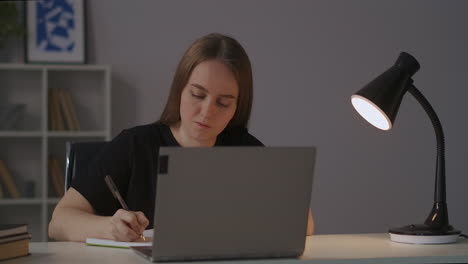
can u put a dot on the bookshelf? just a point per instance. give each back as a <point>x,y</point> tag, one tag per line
<point>25,147</point>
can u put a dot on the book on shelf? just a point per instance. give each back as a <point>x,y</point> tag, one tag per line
<point>8,181</point>
<point>57,176</point>
<point>51,112</point>
<point>14,240</point>
<point>56,121</point>
<point>1,191</point>
<point>62,111</point>
<point>69,109</point>
<point>65,109</point>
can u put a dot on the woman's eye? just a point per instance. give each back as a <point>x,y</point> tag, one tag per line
<point>199,96</point>
<point>223,105</point>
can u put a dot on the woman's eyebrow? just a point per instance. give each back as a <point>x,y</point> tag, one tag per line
<point>196,85</point>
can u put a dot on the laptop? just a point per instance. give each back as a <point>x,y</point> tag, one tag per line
<point>231,203</point>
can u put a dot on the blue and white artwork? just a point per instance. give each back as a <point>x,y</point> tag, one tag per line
<point>55,25</point>
<point>56,31</point>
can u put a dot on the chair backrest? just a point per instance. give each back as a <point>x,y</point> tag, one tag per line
<point>78,155</point>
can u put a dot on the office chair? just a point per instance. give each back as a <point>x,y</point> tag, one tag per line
<point>78,155</point>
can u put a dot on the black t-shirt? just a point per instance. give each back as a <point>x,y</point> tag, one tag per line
<point>131,159</point>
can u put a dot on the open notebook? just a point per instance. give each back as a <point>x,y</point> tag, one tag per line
<point>111,243</point>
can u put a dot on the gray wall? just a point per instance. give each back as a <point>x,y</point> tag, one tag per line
<point>308,58</point>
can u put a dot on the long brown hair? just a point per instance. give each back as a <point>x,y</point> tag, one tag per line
<point>228,51</point>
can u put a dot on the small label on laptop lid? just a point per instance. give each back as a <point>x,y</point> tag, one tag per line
<point>163,162</point>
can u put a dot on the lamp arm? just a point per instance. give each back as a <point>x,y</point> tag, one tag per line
<point>439,195</point>
<point>439,215</point>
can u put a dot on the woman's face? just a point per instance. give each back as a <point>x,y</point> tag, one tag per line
<point>208,102</point>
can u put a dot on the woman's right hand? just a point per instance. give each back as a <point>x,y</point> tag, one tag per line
<point>127,225</point>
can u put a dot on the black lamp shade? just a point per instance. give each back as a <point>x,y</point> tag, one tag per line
<point>378,102</point>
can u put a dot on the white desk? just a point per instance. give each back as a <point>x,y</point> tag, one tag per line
<point>355,248</point>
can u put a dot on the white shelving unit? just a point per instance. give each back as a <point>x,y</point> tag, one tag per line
<point>26,149</point>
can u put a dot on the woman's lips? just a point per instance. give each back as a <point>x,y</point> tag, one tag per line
<point>203,125</point>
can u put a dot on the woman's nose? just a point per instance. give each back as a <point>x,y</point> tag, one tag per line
<point>209,109</point>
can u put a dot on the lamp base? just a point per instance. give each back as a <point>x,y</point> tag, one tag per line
<point>423,234</point>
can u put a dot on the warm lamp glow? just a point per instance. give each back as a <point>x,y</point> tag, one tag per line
<point>372,113</point>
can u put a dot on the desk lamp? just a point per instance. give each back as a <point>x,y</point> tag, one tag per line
<point>378,104</point>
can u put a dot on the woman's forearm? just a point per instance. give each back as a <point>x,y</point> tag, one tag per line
<point>72,224</point>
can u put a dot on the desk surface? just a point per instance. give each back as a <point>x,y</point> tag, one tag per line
<point>350,248</point>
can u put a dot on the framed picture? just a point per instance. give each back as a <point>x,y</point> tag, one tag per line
<point>55,31</point>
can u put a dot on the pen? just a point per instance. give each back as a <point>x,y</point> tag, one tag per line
<point>110,183</point>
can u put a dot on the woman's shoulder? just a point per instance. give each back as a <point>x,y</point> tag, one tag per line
<point>238,136</point>
<point>141,132</point>
<point>151,129</point>
<point>143,129</point>
<point>156,133</point>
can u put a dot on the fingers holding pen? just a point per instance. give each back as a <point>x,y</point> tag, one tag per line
<point>120,231</point>
<point>135,222</point>
<point>126,225</point>
<point>144,222</point>
<point>131,219</point>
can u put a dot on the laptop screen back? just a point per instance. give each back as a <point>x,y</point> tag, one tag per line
<point>232,202</point>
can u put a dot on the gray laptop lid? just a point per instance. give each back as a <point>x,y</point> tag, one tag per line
<point>232,202</point>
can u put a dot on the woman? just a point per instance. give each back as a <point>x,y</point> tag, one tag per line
<point>209,105</point>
